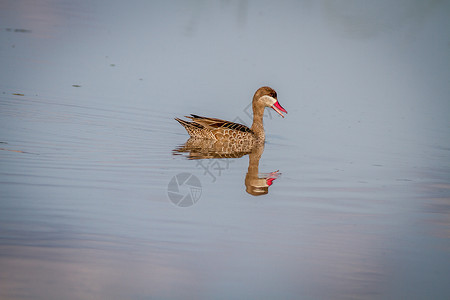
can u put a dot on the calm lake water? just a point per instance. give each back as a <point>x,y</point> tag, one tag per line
<point>100,197</point>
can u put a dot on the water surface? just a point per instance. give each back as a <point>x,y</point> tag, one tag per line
<point>88,94</point>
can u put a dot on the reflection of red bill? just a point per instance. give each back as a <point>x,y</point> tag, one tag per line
<point>269,181</point>
<point>278,108</point>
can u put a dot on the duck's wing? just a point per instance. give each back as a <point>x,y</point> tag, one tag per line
<point>213,123</point>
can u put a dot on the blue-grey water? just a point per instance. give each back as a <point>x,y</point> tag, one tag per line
<point>88,93</point>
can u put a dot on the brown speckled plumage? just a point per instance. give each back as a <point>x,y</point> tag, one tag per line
<point>217,129</point>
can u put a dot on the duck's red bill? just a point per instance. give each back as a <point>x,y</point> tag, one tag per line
<point>278,108</point>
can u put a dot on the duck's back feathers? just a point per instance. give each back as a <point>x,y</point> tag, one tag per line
<point>213,123</point>
<point>212,128</point>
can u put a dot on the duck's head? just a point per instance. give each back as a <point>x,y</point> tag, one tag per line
<point>267,97</point>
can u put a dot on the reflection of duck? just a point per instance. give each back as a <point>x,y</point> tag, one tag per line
<point>256,183</point>
<point>221,130</point>
<point>203,149</point>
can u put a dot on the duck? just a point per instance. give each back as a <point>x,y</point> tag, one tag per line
<point>221,130</point>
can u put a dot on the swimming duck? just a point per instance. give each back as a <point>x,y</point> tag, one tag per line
<point>217,129</point>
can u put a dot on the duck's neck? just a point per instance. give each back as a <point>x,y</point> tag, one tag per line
<point>257,126</point>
